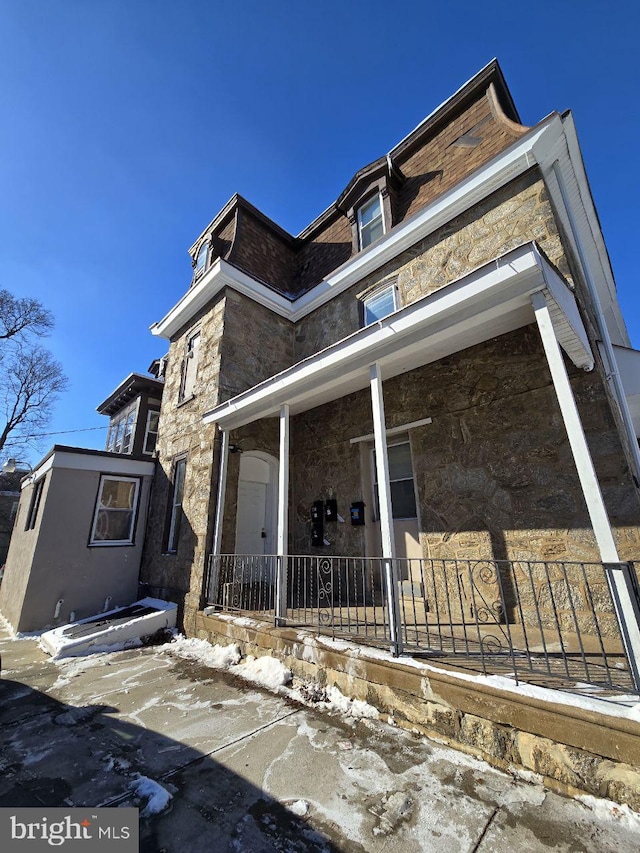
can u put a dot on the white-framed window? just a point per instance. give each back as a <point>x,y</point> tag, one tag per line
<point>201,260</point>
<point>121,428</point>
<point>370,221</point>
<point>190,367</point>
<point>115,513</point>
<point>380,304</point>
<point>151,432</point>
<point>403,494</point>
<point>175,508</point>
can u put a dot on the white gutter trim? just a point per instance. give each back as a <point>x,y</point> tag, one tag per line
<point>506,166</point>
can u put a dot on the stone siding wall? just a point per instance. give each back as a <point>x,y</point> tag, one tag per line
<point>513,215</point>
<point>179,576</point>
<point>257,344</point>
<point>494,473</point>
<point>241,344</point>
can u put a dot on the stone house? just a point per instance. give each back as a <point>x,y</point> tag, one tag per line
<point>436,368</point>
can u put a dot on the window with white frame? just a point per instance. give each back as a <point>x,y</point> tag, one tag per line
<point>403,495</point>
<point>151,432</point>
<point>380,304</point>
<point>121,428</point>
<point>190,367</point>
<point>115,512</point>
<point>370,221</point>
<point>175,507</point>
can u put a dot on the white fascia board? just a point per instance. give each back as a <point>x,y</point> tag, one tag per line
<point>220,274</point>
<point>565,151</point>
<point>94,462</point>
<point>506,166</point>
<point>504,285</point>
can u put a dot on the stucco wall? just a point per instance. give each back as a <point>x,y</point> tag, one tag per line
<point>53,561</point>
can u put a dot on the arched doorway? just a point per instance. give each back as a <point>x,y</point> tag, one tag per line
<point>256,516</point>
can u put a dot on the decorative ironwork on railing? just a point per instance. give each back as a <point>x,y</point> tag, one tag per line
<point>547,622</point>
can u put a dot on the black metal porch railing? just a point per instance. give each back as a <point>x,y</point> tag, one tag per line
<point>552,623</point>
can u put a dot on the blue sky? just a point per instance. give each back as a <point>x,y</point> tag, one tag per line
<point>125,126</point>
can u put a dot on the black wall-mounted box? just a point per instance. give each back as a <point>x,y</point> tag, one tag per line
<point>357,513</point>
<point>331,509</point>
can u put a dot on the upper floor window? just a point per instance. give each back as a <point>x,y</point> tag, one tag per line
<point>201,260</point>
<point>370,221</point>
<point>190,367</point>
<point>380,304</point>
<point>151,432</point>
<point>120,435</point>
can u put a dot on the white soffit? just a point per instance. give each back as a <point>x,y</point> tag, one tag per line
<point>628,364</point>
<point>488,302</point>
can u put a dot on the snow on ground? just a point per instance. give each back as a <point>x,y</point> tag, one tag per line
<point>156,796</point>
<point>269,672</point>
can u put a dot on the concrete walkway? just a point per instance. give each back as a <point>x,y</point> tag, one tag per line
<point>252,772</point>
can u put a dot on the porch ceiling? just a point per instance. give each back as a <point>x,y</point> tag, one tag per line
<point>491,301</point>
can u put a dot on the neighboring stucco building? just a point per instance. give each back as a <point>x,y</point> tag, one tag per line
<point>9,496</point>
<point>419,315</point>
<point>79,530</point>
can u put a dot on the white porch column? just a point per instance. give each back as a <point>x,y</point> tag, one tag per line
<point>214,572</point>
<point>283,516</point>
<point>619,580</point>
<point>386,516</point>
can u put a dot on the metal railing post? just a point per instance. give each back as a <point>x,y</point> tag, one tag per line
<point>624,593</point>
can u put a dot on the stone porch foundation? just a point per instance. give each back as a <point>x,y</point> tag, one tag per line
<point>575,750</point>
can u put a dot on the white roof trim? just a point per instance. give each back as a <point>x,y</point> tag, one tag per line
<point>505,167</point>
<point>98,462</point>
<point>492,300</point>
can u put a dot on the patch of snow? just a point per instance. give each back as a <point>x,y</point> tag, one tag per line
<point>300,808</point>
<point>612,812</point>
<point>156,796</point>
<point>266,670</point>
<point>217,657</point>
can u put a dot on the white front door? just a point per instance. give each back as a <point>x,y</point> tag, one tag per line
<point>251,525</point>
<point>256,516</point>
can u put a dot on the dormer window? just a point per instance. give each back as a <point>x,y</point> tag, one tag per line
<point>370,221</point>
<point>201,260</point>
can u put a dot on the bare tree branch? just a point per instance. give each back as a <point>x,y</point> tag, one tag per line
<point>19,317</point>
<point>30,383</point>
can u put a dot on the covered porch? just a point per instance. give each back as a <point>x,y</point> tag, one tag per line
<point>574,620</point>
